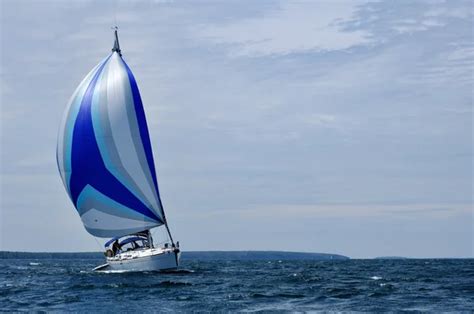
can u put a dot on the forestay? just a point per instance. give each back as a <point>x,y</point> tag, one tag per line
<point>104,153</point>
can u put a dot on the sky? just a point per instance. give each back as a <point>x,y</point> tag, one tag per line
<point>316,126</point>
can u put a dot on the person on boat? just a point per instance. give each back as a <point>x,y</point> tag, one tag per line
<point>116,247</point>
<point>109,253</point>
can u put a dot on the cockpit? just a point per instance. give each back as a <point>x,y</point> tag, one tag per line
<point>128,243</point>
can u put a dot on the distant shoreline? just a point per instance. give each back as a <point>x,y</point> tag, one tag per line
<point>187,255</point>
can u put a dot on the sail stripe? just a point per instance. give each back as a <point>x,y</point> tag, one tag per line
<point>111,225</point>
<point>90,198</point>
<point>105,140</point>
<point>148,183</point>
<point>116,232</point>
<point>124,135</point>
<point>73,115</point>
<point>63,152</point>
<point>145,137</point>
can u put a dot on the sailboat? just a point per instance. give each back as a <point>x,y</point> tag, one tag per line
<point>106,164</point>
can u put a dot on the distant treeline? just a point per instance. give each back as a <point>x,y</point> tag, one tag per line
<point>259,255</point>
<point>189,255</point>
<point>47,255</point>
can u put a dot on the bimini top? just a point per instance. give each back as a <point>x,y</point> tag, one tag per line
<point>125,241</point>
<point>104,153</point>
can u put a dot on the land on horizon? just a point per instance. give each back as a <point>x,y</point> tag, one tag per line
<point>196,255</point>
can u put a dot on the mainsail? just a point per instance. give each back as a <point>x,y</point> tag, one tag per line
<point>104,153</point>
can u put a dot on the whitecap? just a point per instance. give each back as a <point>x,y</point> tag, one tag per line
<point>121,271</point>
<point>375,277</point>
<point>179,271</point>
<point>21,267</point>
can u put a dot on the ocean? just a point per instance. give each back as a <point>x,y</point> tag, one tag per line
<point>54,284</point>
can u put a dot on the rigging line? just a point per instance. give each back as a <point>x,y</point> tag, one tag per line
<point>157,234</point>
<point>98,244</point>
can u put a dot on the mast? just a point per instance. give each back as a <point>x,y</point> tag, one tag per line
<point>169,233</point>
<point>116,43</point>
<point>116,48</point>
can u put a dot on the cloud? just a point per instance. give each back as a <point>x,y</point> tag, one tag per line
<point>461,9</point>
<point>412,25</point>
<point>294,27</point>
<point>322,211</point>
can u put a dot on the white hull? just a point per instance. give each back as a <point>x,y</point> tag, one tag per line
<point>156,259</point>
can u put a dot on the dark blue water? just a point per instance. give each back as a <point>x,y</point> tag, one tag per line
<point>362,285</point>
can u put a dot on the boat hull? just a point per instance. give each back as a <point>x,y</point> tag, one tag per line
<point>146,260</point>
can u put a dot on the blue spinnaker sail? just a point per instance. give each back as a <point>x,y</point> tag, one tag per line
<point>104,153</point>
